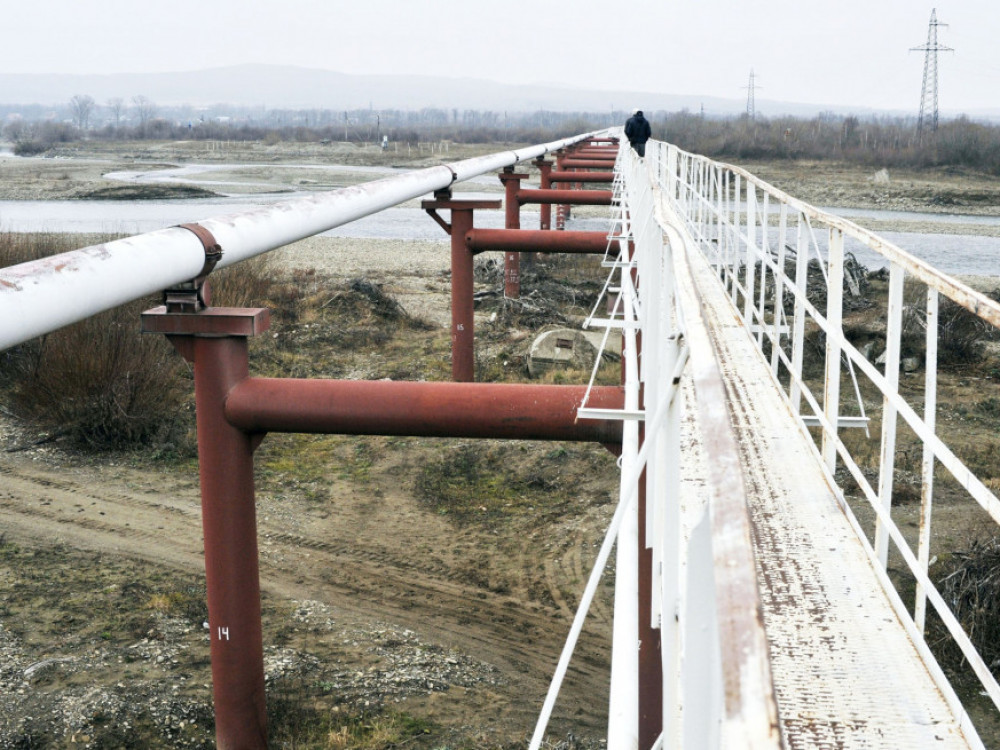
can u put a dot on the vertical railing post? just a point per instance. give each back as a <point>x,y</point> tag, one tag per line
<point>779,287</point>
<point>720,219</point>
<point>799,314</point>
<point>834,316</point>
<point>737,224</point>
<point>700,194</point>
<point>672,172</point>
<point>927,462</point>
<point>887,465</point>
<point>623,709</point>
<point>765,250</point>
<point>749,282</point>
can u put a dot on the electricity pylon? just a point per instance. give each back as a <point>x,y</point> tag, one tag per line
<point>929,94</point>
<point>751,108</point>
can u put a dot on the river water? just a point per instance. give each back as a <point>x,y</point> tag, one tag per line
<point>951,253</point>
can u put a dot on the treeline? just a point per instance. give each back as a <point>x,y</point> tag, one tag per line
<point>874,141</point>
<point>877,141</point>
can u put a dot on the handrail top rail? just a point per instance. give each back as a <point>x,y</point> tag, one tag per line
<point>974,301</point>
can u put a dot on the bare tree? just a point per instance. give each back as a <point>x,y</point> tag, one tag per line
<point>117,106</point>
<point>82,105</point>
<point>145,110</point>
<point>17,130</point>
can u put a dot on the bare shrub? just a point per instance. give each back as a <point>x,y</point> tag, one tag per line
<point>246,284</point>
<point>972,588</point>
<point>962,335</point>
<point>100,382</point>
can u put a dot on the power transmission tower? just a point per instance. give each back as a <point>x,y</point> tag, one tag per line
<point>929,94</point>
<point>751,108</point>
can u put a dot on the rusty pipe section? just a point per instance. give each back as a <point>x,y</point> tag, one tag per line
<point>569,197</point>
<point>41,296</point>
<point>538,241</point>
<point>384,407</point>
<point>581,177</point>
<point>572,163</point>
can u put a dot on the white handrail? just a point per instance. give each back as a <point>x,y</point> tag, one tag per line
<point>716,223</point>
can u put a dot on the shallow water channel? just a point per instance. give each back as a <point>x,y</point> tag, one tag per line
<point>951,253</point>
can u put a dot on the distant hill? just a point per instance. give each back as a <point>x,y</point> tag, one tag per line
<point>287,87</point>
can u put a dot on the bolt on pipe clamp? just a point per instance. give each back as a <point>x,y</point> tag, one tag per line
<point>192,296</point>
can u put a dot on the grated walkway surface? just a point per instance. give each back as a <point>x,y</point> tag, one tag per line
<point>846,673</point>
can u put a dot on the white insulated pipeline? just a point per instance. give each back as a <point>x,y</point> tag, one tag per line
<point>41,296</point>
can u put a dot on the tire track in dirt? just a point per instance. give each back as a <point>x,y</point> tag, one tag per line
<point>374,576</point>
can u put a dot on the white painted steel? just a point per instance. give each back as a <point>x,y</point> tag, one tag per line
<point>41,296</point>
<point>838,650</point>
<point>786,361</point>
<point>717,687</point>
<point>623,719</point>
<point>834,313</point>
<point>927,458</point>
<point>887,460</point>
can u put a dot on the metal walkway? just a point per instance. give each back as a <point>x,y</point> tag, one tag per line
<point>846,672</point>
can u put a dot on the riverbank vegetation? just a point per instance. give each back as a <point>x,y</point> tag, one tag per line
<point>877,141</point>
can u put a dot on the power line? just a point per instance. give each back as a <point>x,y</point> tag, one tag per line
<point>929,93</point>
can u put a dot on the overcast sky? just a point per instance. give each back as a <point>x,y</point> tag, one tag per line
<point>849,52</point>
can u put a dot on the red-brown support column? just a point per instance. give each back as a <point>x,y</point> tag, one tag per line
<point>545,167</point>
<point>217,345</point>
<point>463,357</point>
<point>562,211</point>
<point>512,220</point>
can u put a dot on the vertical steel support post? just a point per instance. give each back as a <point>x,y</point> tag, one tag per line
<point>463,356</point>
<point>545,210</point>
<point>562,212</point>
<point>225,459</point>
<point>512,220</point>
<point>927,463</point>
<point>215,340</point>
<point>887,465</point>
<point>834,316</point>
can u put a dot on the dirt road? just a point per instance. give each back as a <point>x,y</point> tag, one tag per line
<point>496,598</point>
<point>370,560</point>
